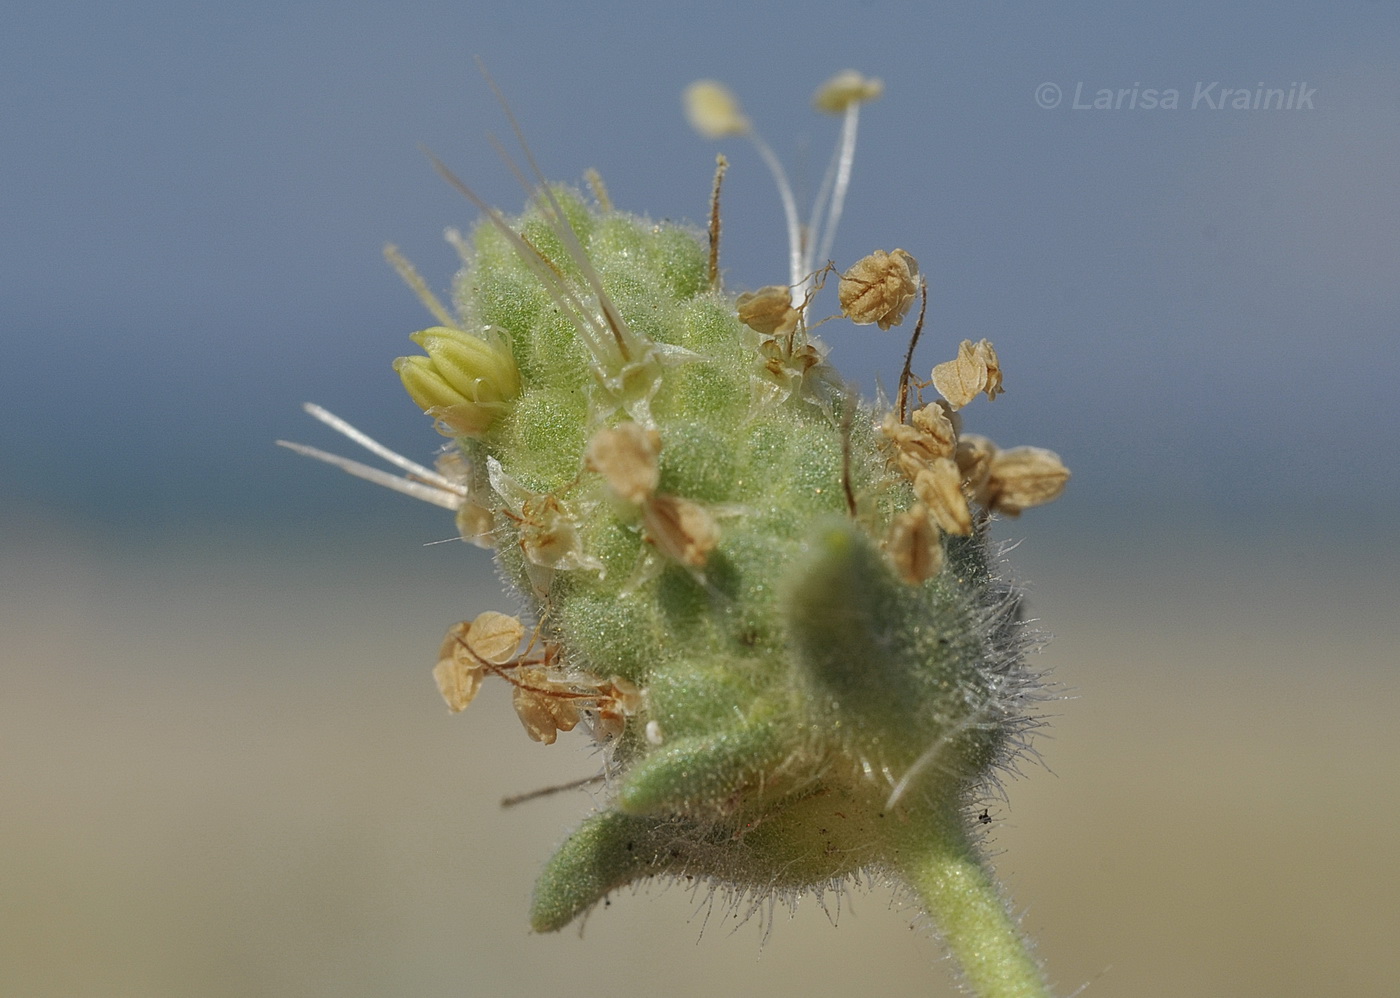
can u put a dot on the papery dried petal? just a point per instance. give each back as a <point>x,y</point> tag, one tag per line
<point>939,425</point>
<point>768,310</point>
<point>974,370</point>
<point>626,456</point>
<point>1022,477</point>
<point>543,715</point>
<point>939,487</point>
<point>914,545</point>
<point>683,530</point>
<point>879,288</point>
<point>494,637</point>
<point>458,679</point>
<point>974,458</point>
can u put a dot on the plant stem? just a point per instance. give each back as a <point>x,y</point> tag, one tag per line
<point>937,858</point>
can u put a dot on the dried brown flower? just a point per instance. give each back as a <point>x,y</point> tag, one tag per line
<point>932,436</point>
<point>1022,477</point>
<point>458,677</point>
<point>768,310</point>
<point>914,545</point>
<point>617,699</point>
<point>476,524</point>
<point>683,530</point>
<point>549,535</point>
<point>879,288</point>
<point>974,370</point>
<point>544,706</point>
<point>941,424</point>
<point>939,487</point>
<point>974,457</point>
<point>626,456</point>
<point>494,637</point>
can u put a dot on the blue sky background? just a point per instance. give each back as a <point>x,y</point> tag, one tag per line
<point>1198,308</point>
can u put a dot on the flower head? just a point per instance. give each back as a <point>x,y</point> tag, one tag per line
<point>772,605</point>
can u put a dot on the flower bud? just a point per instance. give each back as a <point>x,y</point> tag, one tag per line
<point>463,382</point>
<point>425,384</point>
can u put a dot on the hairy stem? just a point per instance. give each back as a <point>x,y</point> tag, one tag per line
<point>936,857</point>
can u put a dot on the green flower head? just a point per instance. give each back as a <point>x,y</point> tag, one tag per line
<point>772,604</point>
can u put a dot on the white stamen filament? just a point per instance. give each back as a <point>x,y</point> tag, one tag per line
<point>845,157</point>
<point>796,273</point>
<point>807,249</point>
<point>425,484</point>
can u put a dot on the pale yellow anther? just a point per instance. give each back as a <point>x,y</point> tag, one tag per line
<point>845,88</point>
<point>713,110</point>
<point>1022,477</point>
<point>914,545</point>
<point>425,383</point>
<point>879,288</point>
<point>939,487</point>
<point>682,530</point>
<point>768,310</point>
<point>626,456</point>
<point>974,370</point>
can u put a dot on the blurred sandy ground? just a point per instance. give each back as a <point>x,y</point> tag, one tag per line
<point>224,770</point>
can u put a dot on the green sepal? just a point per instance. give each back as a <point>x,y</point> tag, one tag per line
<point>609,850</point>
<point>706,774</point>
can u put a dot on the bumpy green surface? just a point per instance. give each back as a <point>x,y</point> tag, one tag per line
<point>794,679</point>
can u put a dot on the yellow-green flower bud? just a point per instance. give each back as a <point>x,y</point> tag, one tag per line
<point>424,384</point>
<point>464,382</point>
